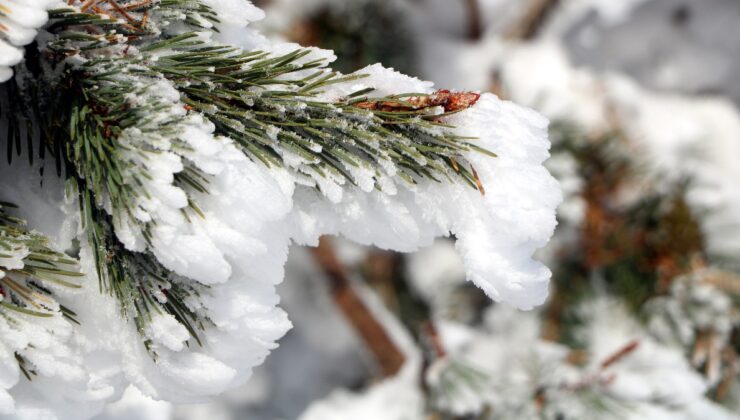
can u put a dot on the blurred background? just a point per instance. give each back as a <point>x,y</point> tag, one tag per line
<point>643,319</point>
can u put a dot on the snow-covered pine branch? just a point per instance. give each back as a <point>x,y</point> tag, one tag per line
<point>195,153</point>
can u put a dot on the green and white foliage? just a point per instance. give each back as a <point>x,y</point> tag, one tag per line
<point>194,153</point>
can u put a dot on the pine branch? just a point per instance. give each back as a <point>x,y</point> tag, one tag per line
<point>137,280</point>
<point>31,269</point>
<point>272,109</point>
<point>29,272</point>
<point>253,99</point>
<point>98,117</point>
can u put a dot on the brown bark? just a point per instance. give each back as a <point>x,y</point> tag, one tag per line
<point>389,357</point>
<point>723,388</point>
<point>475,24</point>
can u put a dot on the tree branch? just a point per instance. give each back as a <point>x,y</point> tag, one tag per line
<point>475,24</point>
<point>389,357</point>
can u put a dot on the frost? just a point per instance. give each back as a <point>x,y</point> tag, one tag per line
<point>165,329</point>
<point>254,213</point>
<point>235,16</point>
<point>497,233</point>
<point>50,346</point>
<point>237,12</point>
<point>19,22</point>
<point>697,313</point>
<point>506,364</point>
<point>250,216</point>
<point>134,405</point>
<point>681,137</point>
<point>12,259</point>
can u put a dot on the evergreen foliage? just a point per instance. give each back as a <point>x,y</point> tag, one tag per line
<point>81,93</point>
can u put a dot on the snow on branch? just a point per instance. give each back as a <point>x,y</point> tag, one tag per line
<point>193,161</point>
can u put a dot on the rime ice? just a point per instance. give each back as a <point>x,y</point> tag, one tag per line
<point>252,214</point>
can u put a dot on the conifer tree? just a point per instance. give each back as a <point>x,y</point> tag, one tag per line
<point>191,152</point>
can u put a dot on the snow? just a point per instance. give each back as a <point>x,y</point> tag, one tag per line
<point>242,195</point>
<point>676,136</point>
<point>696,309</point>
<point>135,405</point>
<point>50,345</point>
<point>436,269</point>
<point>651,370</point>
<point>252,215</point>
<point>695,139</point>
<point>512,364</point>
<point>322,346</point>
<point>238,12</point>
<point>165,329</point>
<point>679,137</point>
<point>235,17</point>
<point>19,21</point>
<point>392,400</point>
<point>497,250</point>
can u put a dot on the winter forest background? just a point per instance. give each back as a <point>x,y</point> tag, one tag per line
<point>643,315</point>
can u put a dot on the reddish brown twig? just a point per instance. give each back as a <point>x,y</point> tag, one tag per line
<point>134,6</point>
<point>450,101</point>
<point>620,354</point>
<point>122,11</point>
<point>113,8</point>
<point>86,5</point>
<point>601,377</point>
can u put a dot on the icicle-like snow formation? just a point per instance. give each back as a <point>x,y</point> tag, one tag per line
<point>253,213</point>
<point>19,22</point>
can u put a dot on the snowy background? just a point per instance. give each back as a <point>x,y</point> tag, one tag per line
<point>663,74</point>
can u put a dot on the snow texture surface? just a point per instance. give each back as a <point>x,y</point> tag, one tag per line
<point>19,22</point>
<point>252,215</point>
